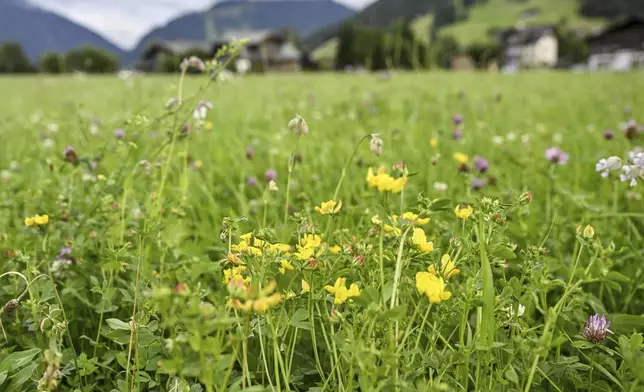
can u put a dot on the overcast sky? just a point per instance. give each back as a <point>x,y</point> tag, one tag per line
<point>125,21</point>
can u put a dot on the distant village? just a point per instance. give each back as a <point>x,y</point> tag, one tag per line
<point>617,47</point>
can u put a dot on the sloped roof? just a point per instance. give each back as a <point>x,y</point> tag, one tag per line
<point>182,46</point>
<point>525,35</point>
<point>253,36</point>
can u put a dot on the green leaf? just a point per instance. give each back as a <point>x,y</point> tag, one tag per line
<point>607,374</point>
<point>300,319</point>
<point>118,324</point>
<point>624,323</point>
<point>395,313</point>
<point>636,341</point>
<point>15,361</point>
<point>21,377</point>
<point>441,204</point>
<point>3,376</point>
<point>503,252</point>
<point>512,375</point>
<point>582,345</point>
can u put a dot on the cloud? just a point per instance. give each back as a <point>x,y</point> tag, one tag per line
<point>125,21</point>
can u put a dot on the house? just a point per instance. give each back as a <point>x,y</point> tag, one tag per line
<point>529,47</point>
<point>266,50</point>
<point>618,47</point>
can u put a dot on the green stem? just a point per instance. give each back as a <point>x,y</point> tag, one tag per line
<point>488,323</point>
<point>348,165</point>
<point>398,270</point>
<point>100,321</point>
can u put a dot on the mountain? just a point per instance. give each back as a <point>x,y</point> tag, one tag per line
<point>301,16</point>
<point>40,31</point>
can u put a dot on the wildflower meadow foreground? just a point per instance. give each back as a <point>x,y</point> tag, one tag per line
<point>420,232</point>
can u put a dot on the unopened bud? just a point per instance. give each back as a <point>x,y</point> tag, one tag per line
<point>298,125</point>
<point>589,232</point>
<point>193,62</point>
<point>375,144</point>
<point>525,198</point>
<point>11,306</point>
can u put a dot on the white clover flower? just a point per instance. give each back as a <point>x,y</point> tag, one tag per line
<point>605,166</point>
<point>511,136</point>
<point>557,138</point>
<point>93,129</point>
<point>5,175</point>
<point>272,186</point>
<point>192,62</point>
<point>201,111</point>
<point>375,144</point>
<point>48,143</point>
<point>440,186</point>
<point>242,66</point>
<point>497,140</point>
<point>298,125</point>
<point>525,139</point>
<point>52,127</point>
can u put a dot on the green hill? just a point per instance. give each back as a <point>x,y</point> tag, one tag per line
<point>470,21</point>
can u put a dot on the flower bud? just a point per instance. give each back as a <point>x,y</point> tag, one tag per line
<point>298,125</point>
<point>589,232</point>
<point>525,198</point>
<point>11,306</point>
<point>375,145</point>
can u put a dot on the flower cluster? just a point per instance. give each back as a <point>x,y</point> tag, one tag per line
<point>37,220</point>
<point>631,170</point>
<point>385,182</point>
<point>340,292</point>
<point>330,207</point>
<point>556,156</point>
<point>596,329</point>
<point>257,300</point>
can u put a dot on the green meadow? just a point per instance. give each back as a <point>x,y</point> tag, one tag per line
<point>465,239</point>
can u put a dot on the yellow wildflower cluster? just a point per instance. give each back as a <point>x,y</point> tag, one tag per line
<point>419,239</point>
<point>235,274</point>
<point>330,207</point>
<point>254,246</point>
<point>447,268</point>
<point>38,220</point>
<point>310,245</point>
<point>385,182</point>
<point>259,303</point>
<point>340,292</point>
<point>395,230</point>
<point>284,266</point>
<point>432,286</point>
<point>463,212</point>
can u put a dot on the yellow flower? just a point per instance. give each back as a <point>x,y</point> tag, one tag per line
<point>305,286</point>
<point>432,286</point>
<point>279,248</point>
<point>311,241</point>
<point>340,292</point>
<point>448,268</point>
<point>419,239</point>
<point>433,142</point>
<point>198,164</point>
<point>290,294</point>
<point>410,216</point>
<point>384,182</point>
<point>285,265</point>
<point>235,273</point>
<point>461,158</point>
<point>261,305</point>
<point>376,220</point>
<point>463,212</point>
<point>335,249</point>
<point>244,247</point>
<point>38,220</point>
<point>329,207</point>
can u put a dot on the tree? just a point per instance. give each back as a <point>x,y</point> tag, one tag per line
<point>444,49</point>
<point>483,53</point>
<point>571,47</point>
<point>13,59</point>
<point>52,62</point>
<point>346,45</point>
<point>91,59</point>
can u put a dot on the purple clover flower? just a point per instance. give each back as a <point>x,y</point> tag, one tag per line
<point>596,328</point>
<point>609,135</point>
<point>477,183</point>
<point>66,254</point>
<point>270,175</point>
<point>457,119</point>
<point>457,134</point>
<point>556,155</point>
<point>119,133</point>
<point>251,181</point>
<point>250,152</point>
<point>481,164</point>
